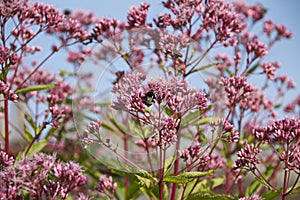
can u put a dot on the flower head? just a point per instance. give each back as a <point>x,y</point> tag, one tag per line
<point>247,157</point>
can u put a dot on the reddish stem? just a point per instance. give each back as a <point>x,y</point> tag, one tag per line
<point>6,121</point>
<point>285,184</point>
<point>126,180</point>
<point>174,186</point>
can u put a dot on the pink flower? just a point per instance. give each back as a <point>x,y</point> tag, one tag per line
<point>220,17</point>
<point>106,185</point>
<point>257,48</point>
<point>6,160</point>
<point>269,27</point>
<point>136,17</point>
<point>8,94</point>
<point>168,132</point>
<point>237,89</point>
<point>252,197</point>
<point>247,157</point>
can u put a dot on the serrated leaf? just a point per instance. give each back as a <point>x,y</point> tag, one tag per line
<point>35,88</point>
<point>144,182</point>
<point>209,196</point>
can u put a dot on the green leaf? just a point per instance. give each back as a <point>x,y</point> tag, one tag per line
<point>211,183</point>
<point>103,104</point>
<point>137,130</point>
<point>168,163</point>
<point>35,148</point>
<point>27,134</point>
<point>252,69</point>
<point>190,117</point>
<point>4,73</point>
<point>149,193</point>
<point>194,115</point>
<point>229,72</point>
<point>256,185</point>
<point>133,191</point>
<point>206,185</point>
<point>168,110</point>
<point>277,106</point>
<point>144,182</point>
<point>119,126</point>
<point>270,195</point>
<point>205,67</point>
<point>209,196</point>
<point>35,88</point>
<point>107,126</point>
<point>186,177</point>
<point>30,121</point>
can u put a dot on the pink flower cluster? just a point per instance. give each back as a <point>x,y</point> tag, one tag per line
<point>192,152</point>
<point>40,176</point>
<point>41,14</point>
<point>294,106</point>
<point>257,48</point>
<point>129,93</point>
<point>8,94</point>
<point>168,131</point>
<point>281,30</point>
<point>55,97</point>
<point>171,44</point>
<point>222,19</point>
<point>106,186</point>
<point>234,135</point>
<point>256,12</point>
<point>137,16</point>
<point>283,136</point>
<point>237,89</point>
<point>6,58</point>
<point>247,157</point>
<point>183,12</point>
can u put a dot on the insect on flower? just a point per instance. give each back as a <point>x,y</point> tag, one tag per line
<point>148,98</point>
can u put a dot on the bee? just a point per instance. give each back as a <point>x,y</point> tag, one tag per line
<point>148,98</point>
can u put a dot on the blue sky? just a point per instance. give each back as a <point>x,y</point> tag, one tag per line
<point>282,12</point>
